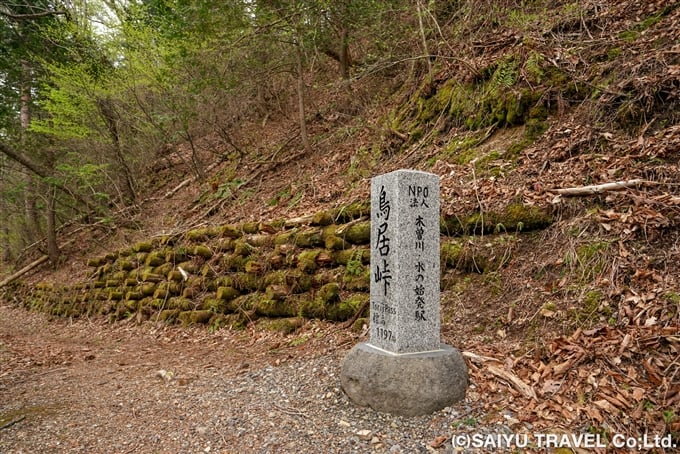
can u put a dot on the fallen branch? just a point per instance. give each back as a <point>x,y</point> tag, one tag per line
<point>24,270</point>
<point>599,188</point>
<point>497,370</point>
<point>11,423</point>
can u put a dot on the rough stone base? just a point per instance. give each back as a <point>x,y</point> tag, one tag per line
<point>404,384</point>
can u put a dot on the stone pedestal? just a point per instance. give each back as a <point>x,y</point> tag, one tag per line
<point>408,384</point>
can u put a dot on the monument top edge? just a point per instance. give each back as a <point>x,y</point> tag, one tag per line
<point>409,171</point>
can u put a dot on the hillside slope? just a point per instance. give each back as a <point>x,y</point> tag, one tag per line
<point>573,291</point>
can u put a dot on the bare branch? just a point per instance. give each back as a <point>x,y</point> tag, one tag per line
<point>30,16</point>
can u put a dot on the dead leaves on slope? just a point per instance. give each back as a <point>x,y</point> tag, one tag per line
<point>624,381</point>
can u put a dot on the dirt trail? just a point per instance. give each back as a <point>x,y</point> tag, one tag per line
<point>93,387</point>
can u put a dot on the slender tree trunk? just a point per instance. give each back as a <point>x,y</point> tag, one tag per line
<point>345,60</point>
<point>301,100</point>
<point>423,37</point>
<point>108,111</point>
<point>52,247</point>
<point>30,193</point>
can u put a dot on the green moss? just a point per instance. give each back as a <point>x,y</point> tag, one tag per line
<point>234,262</point>
<point>223,244</point>
<point>260,240</point>
<point>168,315</point>
<point>322,218</point>
<point>178,255</point>
<point>353,211</point>
<point>119,276</point>
<point>276,308</point>
<point>143,246</point>
<point>226,293</point>
<point>134,295</point>
<point>150,276</point>
<point>450,252</point>
<point>242,248</point>
<point>94,262</point>
<point>248,282</point>
<point>312,308</point>
<point>208,271</point>
<point>309,238</point>
<point>283,325</point>
<point>175,276</point>
<point>230,231</point>
<point>147,288</point>
<point>284,238</point>
<point>329,293</point>
<point>202,250</point>
<point>126,265</point>
<point>155,258</point>
<point>359,233</point>
<point>195,317</point>
<point>181,303</point>
<point>345,309</point>
<point>306,260</point>
<point>115,295</point>
<point>335,243</point>
<point>362,255</point>
<point>250,227</point>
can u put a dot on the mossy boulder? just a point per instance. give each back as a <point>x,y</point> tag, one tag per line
<point>230,231</point>
<point>352,211</point>
<point>168,315</point>
<point>248,282</point>
<point>358,233</point>
<point>335,243</point>
<point>242,248</point>
<point>94,262</point>
<point>201,250</point>
<point>360,255</point>
<point>143,246</point>
<point>195,317</point>
<point>223,244</point>
<point>322,218</point>
<point>177,255</point>
<point>226,293</point>
<point>275,308</point>
<point>150,276</point>
<point>309,238</point>
<point>306,260</point>
<point>155,258</point>
<point>250,227</point>
<point>147,288</point>
<point>259,240</point>
<point>345,309</point>
<point>329,293</point>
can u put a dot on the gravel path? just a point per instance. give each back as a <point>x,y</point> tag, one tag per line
<point>95,388</point>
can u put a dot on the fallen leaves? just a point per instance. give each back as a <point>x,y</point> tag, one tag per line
<point>622,378</point>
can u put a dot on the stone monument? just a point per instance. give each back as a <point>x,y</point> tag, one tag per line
<point>404,369</point>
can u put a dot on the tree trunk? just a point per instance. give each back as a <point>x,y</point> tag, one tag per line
<point>423,37</point>
<point>301,100</point>
<point>108,111</point>
<point>52,247</point>
<point>30,192</point>
<point>43,172</point>
<point>345,60</point>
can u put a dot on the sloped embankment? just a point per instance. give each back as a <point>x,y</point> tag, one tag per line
<point>284,271</point>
